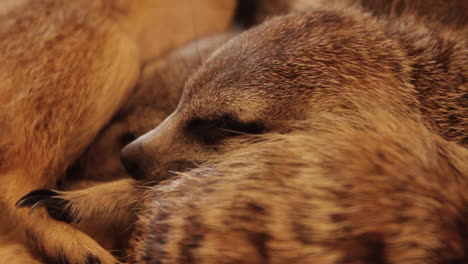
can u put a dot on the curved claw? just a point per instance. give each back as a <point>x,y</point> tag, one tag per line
<point>34,197</point>
<point>56,207</point>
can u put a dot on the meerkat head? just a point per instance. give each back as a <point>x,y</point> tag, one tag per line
<point>282,70</point>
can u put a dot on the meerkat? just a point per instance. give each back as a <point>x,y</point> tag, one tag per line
<point>339,189</point>
<point>67,67</point>
<point>341,62</point>
<point>294,66</point>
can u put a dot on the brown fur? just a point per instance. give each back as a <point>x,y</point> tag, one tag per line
<point>292,67</point>
<point>67,66</point>
<point>351,184</point>
<point>311,201</point>
<point>453,13</point>
<point>337,190</point>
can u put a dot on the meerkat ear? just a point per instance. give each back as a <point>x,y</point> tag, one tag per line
<point>246,13</point>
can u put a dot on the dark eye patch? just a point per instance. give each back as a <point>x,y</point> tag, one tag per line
<point>212,131</point>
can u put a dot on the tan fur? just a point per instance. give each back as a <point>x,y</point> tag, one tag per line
<point>359,158</point>
<point>156,95</point>
<point>67,66</point>
<point>16,253</point>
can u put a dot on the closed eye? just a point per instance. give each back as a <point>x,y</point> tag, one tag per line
<point>212,131</point>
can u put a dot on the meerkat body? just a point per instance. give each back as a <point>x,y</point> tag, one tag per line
<point>60,84</point>
<point>67,67</point>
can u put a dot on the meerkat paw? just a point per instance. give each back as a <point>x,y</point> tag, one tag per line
<point>107,203</point>
<point>57,207</point>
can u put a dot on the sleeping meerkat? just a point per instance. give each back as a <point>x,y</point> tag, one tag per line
<point>302,81</point>
<point>294,66</point>
<point>338,189</point>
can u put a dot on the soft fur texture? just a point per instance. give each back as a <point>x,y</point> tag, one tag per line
<point>339,189</point>
<point>331,135</point>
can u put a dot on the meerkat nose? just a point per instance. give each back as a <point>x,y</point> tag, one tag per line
<point>131,163</point>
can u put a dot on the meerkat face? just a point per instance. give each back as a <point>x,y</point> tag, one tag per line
<point>283,70</point>
<point>222,102</point>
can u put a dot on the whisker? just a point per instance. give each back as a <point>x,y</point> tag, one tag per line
<point>174,172</point>
<point>236,132</point>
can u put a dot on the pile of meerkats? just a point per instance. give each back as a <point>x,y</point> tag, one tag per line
<point>300,131</point>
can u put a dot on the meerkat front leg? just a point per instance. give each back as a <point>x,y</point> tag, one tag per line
<point>108,204</point>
